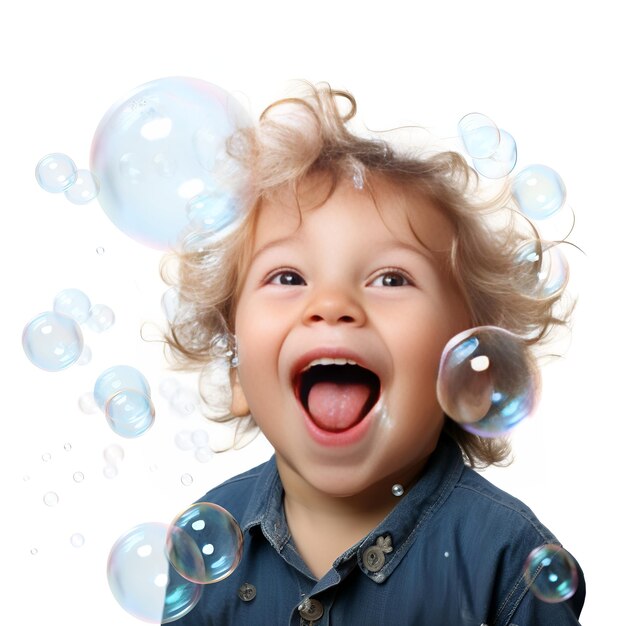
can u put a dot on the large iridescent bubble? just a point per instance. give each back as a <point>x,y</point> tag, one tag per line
<point>551,573</point>
<point>217,543</point>
<point>160,155</point>
<point>141,579</point>
<point>52,341</point>
<point>487,380</point>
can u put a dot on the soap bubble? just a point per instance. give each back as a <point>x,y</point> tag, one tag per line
<point>168,386</point>
<point>163,146</point>
<point>141,579</point>
<point>50,498</point>
<point>84,189</point>
<point>101,318</point>
<point>186,479</point>
<point>110,471</point>
<point>551,573</point>
<point>203,454</point>
<point>487,381</point>
<point>545,268</point>
<point>52,341</point>
<point>184,401</point>
<point>115,379</point>
<point>73,303</point>
<point>129,413</point>
<point>200,438</point>
<point>85,356</point>
<point>78,477</point>
<point>55,172</point>
<point>539,191</point>
<point>481,137</point>
<point>184,440</point>
<point>217,543</point>
<point>87,404</point>
<point>501,162</point>
<point>113,454</point>
<point>77,540</point>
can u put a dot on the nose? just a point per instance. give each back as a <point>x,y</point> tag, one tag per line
<point>333,306</point>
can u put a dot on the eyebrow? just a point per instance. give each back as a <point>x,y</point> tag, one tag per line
<point>418,250</point>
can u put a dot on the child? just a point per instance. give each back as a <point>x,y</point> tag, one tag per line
<point>352,269</point>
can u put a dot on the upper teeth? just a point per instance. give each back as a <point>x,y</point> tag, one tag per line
<point>329,361</point>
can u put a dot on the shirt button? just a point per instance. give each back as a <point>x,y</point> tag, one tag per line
<point>311,609</point>
<point>247,592</point>
<point>373,558</point>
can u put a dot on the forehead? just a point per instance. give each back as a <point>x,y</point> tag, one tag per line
<point>407,215</point>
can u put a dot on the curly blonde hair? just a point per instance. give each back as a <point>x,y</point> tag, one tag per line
<point>297,138</point>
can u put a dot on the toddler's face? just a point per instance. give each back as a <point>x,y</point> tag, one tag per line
<point>340,324</point>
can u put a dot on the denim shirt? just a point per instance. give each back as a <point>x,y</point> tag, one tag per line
<point>451,553</point>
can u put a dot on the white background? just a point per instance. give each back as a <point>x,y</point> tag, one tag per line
<point>551,73</point>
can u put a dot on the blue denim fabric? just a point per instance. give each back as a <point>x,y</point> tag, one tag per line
<point>458,546</point>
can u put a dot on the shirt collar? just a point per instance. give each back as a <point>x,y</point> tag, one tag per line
<point>393,536</point>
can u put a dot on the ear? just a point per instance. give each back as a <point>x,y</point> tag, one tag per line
<point>238,404</point>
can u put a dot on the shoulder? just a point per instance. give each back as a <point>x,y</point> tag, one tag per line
<point>235,494</point>
<point>477,496</point>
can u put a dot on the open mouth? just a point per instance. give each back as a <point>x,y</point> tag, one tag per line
<point>337,396</point>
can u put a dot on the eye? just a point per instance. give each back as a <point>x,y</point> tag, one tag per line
<point>391,279</point>
<point>286,277</point>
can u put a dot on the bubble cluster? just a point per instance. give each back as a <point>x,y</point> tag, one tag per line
<point>551,573</point>
<point>58,173</point>
<point>52,341</point>
<point>487,381</point>
<point>141,579</point>
<point>217,543</point>
<point>160,154</point>
<point>538,191</point>
<point>196,441</point>
<point>493,150</point>
<point>123,394</point>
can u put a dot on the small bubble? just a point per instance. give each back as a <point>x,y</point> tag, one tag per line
<point>113,454</point>
<point>50,498</point>
<point>551,573</point>
<point>480,136</point>
<point>109,471</point>
<point>85,188</point>
<point>85,356</point>
<point>46,457</point>
<point>67,447</point>
<point>186,479</point>
<point>55,172</point>
<point>34,551</point>
<point>101,318</point>
<point>99,250</point>
<point>446,554</point>
<point>26,478</point>
<point>203,454</point>
<point>200,438</point>
<point>52,341</point>
<point>74,303</point>
<point>78,477</point>
<point>184,440</point>
<point>154,467</point>
<point>87,403</point>
<point>77,540</point>
<point>167,387</point>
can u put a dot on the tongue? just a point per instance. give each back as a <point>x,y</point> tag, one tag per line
<point>337,406</point>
